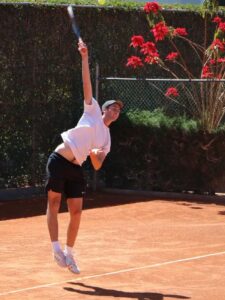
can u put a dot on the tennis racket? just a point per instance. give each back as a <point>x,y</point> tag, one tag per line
<point>75,27</point>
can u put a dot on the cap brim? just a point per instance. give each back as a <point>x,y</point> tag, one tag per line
<point>111,102</point>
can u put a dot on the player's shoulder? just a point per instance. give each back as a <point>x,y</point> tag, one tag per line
<point>94,102</point>
<point>90,102</point>
<point>93,106</point>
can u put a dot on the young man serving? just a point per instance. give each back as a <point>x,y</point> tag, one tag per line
<point>90,137</point>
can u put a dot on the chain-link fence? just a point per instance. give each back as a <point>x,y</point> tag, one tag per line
<point>31,120</point>
<point>191,97</point>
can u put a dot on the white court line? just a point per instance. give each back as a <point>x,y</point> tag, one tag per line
<point>113,273</point>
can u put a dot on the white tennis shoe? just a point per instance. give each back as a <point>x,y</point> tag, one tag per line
<point>60,258</point>
<point>72,264</point>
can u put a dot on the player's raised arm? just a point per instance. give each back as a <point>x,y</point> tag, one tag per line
<point>87,87</point>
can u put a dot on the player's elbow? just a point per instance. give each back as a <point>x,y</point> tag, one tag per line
<point>97,165</point>
<point>97,160</point>
<point>97,168</point>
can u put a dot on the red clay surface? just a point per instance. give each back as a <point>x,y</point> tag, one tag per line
<point>144,250</point>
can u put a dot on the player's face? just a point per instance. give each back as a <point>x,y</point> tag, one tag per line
<point>113,111</point>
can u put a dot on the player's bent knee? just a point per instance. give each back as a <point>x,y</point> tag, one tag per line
<point>54,203</point>
<point>75,213</point>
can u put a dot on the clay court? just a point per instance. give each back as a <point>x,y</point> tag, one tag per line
<point>129,247</point>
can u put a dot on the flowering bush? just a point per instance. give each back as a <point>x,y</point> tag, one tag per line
<point>209,97</point>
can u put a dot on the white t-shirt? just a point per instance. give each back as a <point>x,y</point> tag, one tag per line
<point>89,133</point>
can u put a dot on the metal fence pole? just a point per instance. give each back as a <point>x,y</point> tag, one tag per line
<point>95,174</point>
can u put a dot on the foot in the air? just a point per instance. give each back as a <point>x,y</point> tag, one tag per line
<point>72,264</point>
<point>60,258</point>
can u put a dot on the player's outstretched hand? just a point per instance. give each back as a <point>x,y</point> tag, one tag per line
<point>82,48</point>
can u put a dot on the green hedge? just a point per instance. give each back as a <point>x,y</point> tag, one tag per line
<point>151,151</point>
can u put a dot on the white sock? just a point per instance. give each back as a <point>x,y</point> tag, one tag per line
<point>68,250</point>
<point>56,246</point>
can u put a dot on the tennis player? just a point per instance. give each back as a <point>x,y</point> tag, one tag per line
<point>90,137</point>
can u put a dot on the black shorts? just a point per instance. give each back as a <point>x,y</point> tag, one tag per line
<point>64,177</point>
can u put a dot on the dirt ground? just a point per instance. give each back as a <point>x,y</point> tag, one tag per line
<point>128,247</point>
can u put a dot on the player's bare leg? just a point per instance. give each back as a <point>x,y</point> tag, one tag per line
<point>75,210</point>
<point>54,201</point>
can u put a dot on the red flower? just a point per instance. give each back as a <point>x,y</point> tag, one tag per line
<point>152,58</point>
<point>171,91</point>
<point>206,72</point>
<point>217,20</point>
<point>180,31</point>
<point>219,76</point>
<point>152,6</point>
<point>172,56</point>
<point>217,44</point>
<point>221,60</point>
<point>148,48</point>
<point>212,61</point>
<point>134,62</point>
<point>222,26</point>
<point>137,41</point>
<point>160,30</point>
